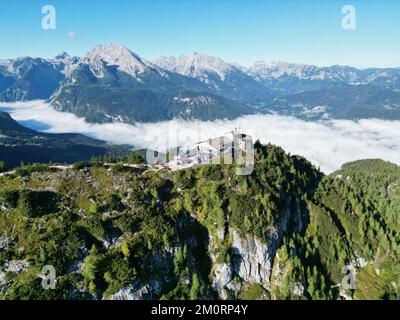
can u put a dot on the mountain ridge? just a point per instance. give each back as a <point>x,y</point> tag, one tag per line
<point>20,144</point>
<point>113,83</point>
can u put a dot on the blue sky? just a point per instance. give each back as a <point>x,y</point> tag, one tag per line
<point>235,30</point>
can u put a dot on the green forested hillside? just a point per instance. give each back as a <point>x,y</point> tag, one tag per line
<point>284,232</point>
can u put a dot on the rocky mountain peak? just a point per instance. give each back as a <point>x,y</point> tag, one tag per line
<point>62,55</point>
<point>117,55</point>
<point>195,65</point>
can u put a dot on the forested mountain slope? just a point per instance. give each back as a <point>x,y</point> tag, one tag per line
<point>284,232</point>
<point>20,144</point>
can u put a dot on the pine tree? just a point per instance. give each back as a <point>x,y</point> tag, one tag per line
<point>195,289</point>
<point>125,249</point>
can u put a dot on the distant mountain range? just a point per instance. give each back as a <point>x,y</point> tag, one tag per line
<point>112,83</point>
<point>20,144</point>
<point>29,78</point>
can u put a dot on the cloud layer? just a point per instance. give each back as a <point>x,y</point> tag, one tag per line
<point>327,144</point>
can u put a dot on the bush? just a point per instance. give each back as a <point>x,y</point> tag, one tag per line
<point>116,203</point>
<point>10,198</point>
<point>35,203</point>
<point>3,167</point>
<point>25,170</point>
<point>135,158</point>
<point>119,168</point>
<point>81,165</point>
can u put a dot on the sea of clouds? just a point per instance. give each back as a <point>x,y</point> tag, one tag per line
<point>327,144</point>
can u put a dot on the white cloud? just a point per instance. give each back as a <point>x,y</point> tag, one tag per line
<point>71,34</point>
<point>326,144</point>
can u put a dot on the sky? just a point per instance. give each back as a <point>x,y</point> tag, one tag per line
<point>235,30</point>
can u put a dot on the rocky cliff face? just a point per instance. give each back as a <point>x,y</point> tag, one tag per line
<point>252,259</point>
<point>251,263</point>
<point>139,291</point>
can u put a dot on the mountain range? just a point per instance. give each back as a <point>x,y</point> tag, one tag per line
<point>113,83</point>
